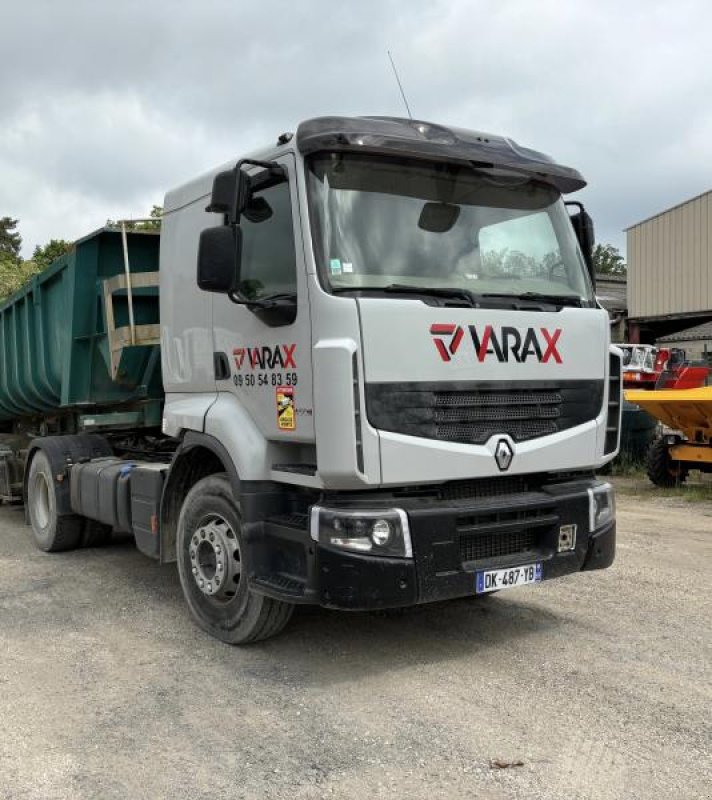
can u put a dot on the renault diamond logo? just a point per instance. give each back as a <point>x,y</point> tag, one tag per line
<point>503,455</point>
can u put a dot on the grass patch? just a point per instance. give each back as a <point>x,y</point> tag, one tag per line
<point>695,493</point>
<point>639,485</point>
<point>627,466</point>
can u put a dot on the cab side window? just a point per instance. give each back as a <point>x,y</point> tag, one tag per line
<point>269,264</point>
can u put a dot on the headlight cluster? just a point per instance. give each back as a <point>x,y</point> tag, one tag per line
<point>601,506</point>
<point>384,532</point>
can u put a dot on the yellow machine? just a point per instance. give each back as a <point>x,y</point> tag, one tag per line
<point>688,444</point>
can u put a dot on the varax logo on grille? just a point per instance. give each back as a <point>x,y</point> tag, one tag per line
<point>503,344</point>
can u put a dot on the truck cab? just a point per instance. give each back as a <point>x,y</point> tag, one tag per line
<point>394,349</point>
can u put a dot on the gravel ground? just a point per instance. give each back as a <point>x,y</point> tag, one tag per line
<point>599,683</point>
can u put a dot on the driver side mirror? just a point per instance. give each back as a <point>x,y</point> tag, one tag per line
<point>219,252</point>
<point>583,228</point>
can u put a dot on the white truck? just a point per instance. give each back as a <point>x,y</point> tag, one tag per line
<point>387,382</point>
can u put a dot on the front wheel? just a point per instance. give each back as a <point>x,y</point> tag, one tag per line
<point>213,569</point>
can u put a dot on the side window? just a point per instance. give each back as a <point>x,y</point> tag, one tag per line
<point>269,264</point>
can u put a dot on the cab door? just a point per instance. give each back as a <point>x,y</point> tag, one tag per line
<point>263,357</point>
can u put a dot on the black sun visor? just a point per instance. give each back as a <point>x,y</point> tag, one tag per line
<point>415,138</point>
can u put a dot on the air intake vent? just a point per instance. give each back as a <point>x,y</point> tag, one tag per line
<point>613,419</point>
<point>357,412</point>
<point>499,534</point>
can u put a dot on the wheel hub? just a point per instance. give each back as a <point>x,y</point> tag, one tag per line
<point>41,500</point>
<point>215,558</point>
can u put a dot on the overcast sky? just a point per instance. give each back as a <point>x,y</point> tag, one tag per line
<point>106,105</point>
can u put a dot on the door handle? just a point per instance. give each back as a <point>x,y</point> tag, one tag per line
<point>222,366</point>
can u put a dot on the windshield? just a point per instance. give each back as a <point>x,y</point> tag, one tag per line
<point>394,222</point>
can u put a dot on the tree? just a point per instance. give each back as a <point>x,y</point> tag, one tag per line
<point>14,270</point>
<point>14,274</point>
<point>608,261</point>
<point>44,256</point>
<point>10,240</point>
<point>153,224</point>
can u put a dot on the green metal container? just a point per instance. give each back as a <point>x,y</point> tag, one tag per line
<point>84,337</point>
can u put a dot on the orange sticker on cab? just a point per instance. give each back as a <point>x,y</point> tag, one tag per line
<point>286,417</point>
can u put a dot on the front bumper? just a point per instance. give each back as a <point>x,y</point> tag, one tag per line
<point>452,542</point>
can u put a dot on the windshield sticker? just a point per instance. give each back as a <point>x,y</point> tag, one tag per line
<point>347,266</point>
<point>286,418</point>
<point>335,266</point>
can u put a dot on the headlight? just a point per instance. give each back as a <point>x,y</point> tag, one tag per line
<point>601,506</point>
<point>383,533</point>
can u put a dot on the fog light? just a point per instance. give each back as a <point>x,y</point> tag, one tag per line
<point>601,506</point>
<point>384,532</point>
<point>381,532</point>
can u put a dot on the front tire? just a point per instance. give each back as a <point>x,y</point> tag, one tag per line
<point>213,570</point>
<point>662,470</point>
<point>50,531</point>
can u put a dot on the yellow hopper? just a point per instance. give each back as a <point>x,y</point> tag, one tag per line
<point>688,412</point>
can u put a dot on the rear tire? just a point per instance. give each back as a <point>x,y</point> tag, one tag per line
<point>662,470</point>
<point>50,531</point>
<point>213,569</point>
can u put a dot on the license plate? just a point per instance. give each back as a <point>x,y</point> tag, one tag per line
<point>492,580</point>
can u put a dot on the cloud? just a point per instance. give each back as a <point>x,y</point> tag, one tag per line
<point>104,107</point>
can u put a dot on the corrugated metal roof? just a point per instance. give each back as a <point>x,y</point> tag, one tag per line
<point>611,292</point>
<point>703,331</point>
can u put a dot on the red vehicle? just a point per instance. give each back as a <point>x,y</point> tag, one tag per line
<point>648,367</point>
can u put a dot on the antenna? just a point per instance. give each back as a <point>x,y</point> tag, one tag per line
<point>400,85</point>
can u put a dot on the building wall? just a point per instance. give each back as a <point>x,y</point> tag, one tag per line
<point>696,349</point>
<point>670,261</point>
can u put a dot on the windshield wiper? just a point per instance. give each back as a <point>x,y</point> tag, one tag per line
<point>452,293</point>
<point>551,299</point>
<point>473,299</point>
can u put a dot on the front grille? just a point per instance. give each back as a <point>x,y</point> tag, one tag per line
<point>514,486</point>
<point>479,433</point>
<point>496,545</point>
<point>484,487</point>
<point>498,534</point>
<point>494,399</point>
<point>474,412</point>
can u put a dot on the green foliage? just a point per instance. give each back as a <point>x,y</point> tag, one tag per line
<point>608,261</point>
<point>44,256</point>
<point>15,274</point>
<point>501,263</point>
<point>153,224</point>
<point>10,240</point>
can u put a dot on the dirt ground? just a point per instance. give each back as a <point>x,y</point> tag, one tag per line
<point>600,683</point>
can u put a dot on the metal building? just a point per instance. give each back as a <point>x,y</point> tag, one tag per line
<point>670,270</point>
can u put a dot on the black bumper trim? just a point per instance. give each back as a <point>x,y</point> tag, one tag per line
<point>290,566</point>
<point>601,548</point>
